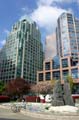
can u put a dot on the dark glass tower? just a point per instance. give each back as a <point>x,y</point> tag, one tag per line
<point>22,55</point>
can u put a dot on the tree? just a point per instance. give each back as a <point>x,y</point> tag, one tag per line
<point>70,80</point>
<point>2,87</point>
<point>42,88</point>
<point>17,87</point>
<point>53,82</point>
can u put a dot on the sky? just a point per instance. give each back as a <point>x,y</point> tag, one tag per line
<point>44,12</point>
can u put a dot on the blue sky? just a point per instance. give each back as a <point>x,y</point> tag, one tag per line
<point>44,12</point>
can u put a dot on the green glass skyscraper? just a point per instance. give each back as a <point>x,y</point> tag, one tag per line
<point>22,55</point>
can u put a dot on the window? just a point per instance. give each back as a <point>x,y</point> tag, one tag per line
<point>56,75</point>
<point>56,63</point>
<point>47,66</point>
<point>64,63</point>
<point>47,76</point>
<point>74,73</point>
<point>40,76</point>
<point>65,74</point>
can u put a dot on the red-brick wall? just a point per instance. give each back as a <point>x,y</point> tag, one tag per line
<point>32,99</point>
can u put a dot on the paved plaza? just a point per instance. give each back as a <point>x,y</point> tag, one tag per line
<point>7,114</point>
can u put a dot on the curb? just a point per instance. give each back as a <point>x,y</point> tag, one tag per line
<point>36,115</point>
<point>53,116</point>
<point>4,107</point>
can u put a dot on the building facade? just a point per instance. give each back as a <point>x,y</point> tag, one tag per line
<point>22,55</point>
<point>67,36</point>
<point>59,69</point>
<point>66,63</point>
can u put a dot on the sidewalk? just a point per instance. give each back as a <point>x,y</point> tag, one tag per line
<point>46,115</point>
<point>51,116</point>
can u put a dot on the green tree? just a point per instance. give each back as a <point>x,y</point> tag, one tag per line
<point>53,82</point>
<point>70,80</point>
<point>2,87</point>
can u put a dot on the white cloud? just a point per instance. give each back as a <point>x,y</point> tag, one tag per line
<point>50,46</point>
<point>6,31</point>
<point>23,9</point>
<point>50,2</point>
<point>2,42</point>
<point>71,11</point>
<point>45,2</point>
<point>26,10</point>
<point>46,16</point>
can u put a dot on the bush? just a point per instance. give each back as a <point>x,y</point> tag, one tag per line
<point>4,98</point>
